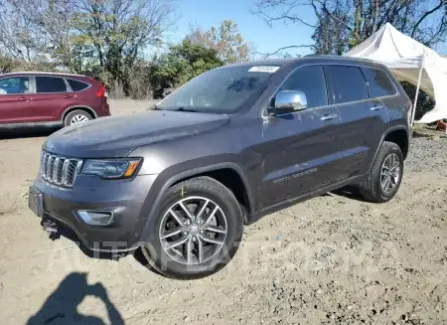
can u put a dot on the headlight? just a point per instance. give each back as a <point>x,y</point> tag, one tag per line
<point>111,169</point>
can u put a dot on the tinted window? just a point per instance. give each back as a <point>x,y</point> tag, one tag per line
<point>348,83</point>
<point>50,85</point>
<point>222,90</point>
<point>77,85</point>
<point>15,85</point>
<point>312,82</point>
<point>379,83</point>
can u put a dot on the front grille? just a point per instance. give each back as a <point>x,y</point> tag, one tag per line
<point>59,170</point>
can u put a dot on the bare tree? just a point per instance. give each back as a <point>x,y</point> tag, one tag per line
<point>117,31</point>
<point>340,24</point>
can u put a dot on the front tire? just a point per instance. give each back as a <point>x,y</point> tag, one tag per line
<point>385,177</point>
<point>197,231</point>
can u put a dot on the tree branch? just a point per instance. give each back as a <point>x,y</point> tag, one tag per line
<point>267,55</point>
<point>424,16</point>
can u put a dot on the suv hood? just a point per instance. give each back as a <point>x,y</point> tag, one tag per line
<point>117,136</point>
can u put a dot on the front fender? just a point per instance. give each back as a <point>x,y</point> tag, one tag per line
<point>175,174</point>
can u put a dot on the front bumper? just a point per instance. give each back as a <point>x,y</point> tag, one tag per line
<point>123,199</point>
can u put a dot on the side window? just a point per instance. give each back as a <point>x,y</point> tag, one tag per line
<point>14,85</point>
<point>50,85</point>
<point>379,83</point>
<point>312,82</point>
<point>77,85</point>
<point>348,83</point>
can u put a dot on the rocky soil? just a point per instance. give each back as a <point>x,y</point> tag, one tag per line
<point>330,260</point>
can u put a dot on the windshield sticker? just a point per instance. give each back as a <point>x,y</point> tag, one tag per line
<point>265,68</point>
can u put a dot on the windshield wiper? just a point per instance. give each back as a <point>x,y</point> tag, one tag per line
<point>183,109</point>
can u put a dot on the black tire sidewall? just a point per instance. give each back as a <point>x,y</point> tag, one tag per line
<point>73,113</point>
<point>387,149</point>
<point>221,196</point>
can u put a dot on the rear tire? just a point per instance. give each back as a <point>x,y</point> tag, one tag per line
<point>77,116</point>
<point>209,236</point>
<point>385,176</point>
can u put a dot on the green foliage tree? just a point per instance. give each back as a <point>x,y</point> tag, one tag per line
<point>226,40</point>
<point>182,63</point>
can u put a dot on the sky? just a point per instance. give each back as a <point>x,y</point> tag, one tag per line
<point>208,13</point>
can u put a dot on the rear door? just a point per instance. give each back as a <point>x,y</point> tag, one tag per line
<point>363,118</point>
<point>51,98</point>
<point>299,149</point>
<point>14,100</point>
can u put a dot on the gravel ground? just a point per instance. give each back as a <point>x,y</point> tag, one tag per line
<point>330,260</point>
<point>432,152</point>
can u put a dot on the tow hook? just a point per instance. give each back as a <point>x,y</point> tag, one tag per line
<point>51,228</point>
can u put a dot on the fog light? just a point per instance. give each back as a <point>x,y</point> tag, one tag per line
<point>96,218</point>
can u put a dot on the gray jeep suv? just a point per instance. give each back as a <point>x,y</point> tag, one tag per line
<point>231,145</point>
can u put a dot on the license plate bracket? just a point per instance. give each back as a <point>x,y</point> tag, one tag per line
<point>35,202</point>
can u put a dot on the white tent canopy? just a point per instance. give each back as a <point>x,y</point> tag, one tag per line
<point>409,61</point>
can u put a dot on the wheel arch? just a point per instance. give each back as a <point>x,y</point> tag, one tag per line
<point>398,134</point>
<point>400,137</point>
<point>72,108</point>
<point>212,171</point>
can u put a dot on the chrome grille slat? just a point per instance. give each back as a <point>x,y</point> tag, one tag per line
<point>55,170</point>
<point>59,170</point>
<point>64,171</point>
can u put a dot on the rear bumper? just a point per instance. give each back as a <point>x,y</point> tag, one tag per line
<point>104,109</point>
<point>123,199</point>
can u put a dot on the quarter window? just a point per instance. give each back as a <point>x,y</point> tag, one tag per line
<point>379,83</point>
<point>312,82</point>
<point>77,85</point>
<point>14,85</point>
<point>348,84</point>
<point>50,85</point>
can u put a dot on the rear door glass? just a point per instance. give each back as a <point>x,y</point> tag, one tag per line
<point>77,85</point>
<point>379,83</point>
<point>348,84</point>
<point>50,85</point>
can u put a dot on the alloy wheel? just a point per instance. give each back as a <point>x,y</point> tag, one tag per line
<point>79,118</point>
<point>390,173</point>
<point>193,230</point>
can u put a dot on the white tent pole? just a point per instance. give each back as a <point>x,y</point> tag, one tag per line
<point>417,89</point>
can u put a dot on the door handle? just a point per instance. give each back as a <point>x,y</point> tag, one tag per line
<point>328,117</point>
<point>376,107</point>
<point>23,98</point>
<point>70,96</point>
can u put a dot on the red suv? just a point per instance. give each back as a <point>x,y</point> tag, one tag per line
<point>50,99</point>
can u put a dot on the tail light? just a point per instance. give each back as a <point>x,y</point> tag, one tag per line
<point>410,111</point>
<point>102,92</point>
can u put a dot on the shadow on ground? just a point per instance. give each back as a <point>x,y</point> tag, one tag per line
<point>350,192</point>
<point>31,132</point>
<point>61,306</point>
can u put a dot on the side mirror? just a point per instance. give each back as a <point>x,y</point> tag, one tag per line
<point>288,101</point>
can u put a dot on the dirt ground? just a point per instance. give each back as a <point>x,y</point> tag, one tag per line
<point>329,260</point>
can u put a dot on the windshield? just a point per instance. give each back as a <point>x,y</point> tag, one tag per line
<point>220,90</point>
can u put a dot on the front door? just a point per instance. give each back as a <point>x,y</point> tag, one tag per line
<point>14,100</point>
<point>299,150</point>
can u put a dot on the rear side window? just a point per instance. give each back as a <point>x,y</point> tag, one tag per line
<point>312,82</point>
<point>348,83</point>
<point>379,83</point>
<point>50,85</point>
<point>77,85</point>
